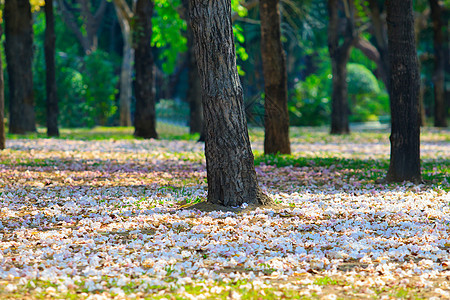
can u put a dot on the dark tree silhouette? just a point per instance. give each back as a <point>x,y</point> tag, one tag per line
<point>2,104</point>
<point>339,54</point>
<point>404,93</point>
<point>276,118</point>
<point>229,159</point>
<point>440,109</point>
<point>19,56</point>
<point>145,115</point>
<point>194,91</point>
<point>49,47</point>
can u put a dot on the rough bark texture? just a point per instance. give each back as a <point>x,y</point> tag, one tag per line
<point>2,104</point>
<point>440,109</point>
<point>49,49</point>
<point>194,91</point>
<point>145,115</point>
<point>19,56</point>
<point>339,54</point>
<point>127,66</point>
<point>276,117</point>
<point>404,93</point>
<point>229,159</point>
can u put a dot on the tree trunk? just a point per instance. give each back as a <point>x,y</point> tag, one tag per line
<point>422,113</point>
<point>194,92</point>
<point>229,159</point>
<point>339,55</point>
<point>379,29</point>
<point>126,71</point>
<point>2,104</point>
<point>404,93</point>
<point>52,101</point>
<point>145,114</point>
<point>440,110</point>
<point>276,117</point>
<point>19,56</point>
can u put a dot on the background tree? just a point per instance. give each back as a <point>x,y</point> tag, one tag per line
<point>2,103</point>
<point>194,91</point>
<point>229,159</point>
<point>19,56</point>
<point>440,109</point>
<point>339,54</point>
<point>276,117</point>
<point>87,33</point>
<point>125,16</point>
<point>145,115</point>
<point>52,100</point>
<point>404,93</point>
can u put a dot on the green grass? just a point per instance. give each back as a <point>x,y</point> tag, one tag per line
<point>165,131</point>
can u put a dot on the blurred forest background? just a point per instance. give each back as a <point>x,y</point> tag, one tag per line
<point>91,49</point>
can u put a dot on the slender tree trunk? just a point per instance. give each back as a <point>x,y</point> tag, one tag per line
<point>276,118</point>
<point>404,93</point>
<point>422,115</point>
<point>19,56</point>
<point>339,54</point>
<point>379,29</point>
<point>126,71</point>
<point>2,104</point>
<point>52,100</point>
<point>145,114</point>
<point>229,159</point>
<point>440,110</point>
<point>194,92</point>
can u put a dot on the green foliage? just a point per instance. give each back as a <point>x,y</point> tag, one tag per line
<point>361,81</point>
<point>100,87</point>
<point>167,33</point>
<point>311,102</point>
<point>367,102</point>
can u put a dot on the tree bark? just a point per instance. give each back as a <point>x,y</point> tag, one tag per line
<point>229,159</point>
<point>145,114</point>
<point>340,54</point>
<point>193,94</point>
<point>276,117</point>
<point>52,100</point>
<point>127,67</point>
<point>440,109</point>
<point>404,93</point>
<point>19,56</point>
<point>194,91</point>
<point>2,104</point>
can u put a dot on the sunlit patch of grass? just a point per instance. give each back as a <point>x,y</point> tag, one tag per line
<point>165,131</point>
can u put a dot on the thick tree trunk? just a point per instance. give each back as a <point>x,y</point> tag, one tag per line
<point>145,115</point>
<point>339,54</point>
<point>229,159</point>
<point>126,71</point>
<point>2,104</point>
<point>440,110</point>
<point>276,118</point>
<point>404,93</point>
<point>19,56</point>
<point>194,91</point>
<point>52,100</point>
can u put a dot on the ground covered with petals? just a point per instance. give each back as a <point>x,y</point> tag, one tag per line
<point>110,218</point>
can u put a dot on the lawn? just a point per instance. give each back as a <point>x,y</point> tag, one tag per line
<point>97,214</point>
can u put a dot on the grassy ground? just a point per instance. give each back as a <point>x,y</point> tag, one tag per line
<point>97,214</point>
